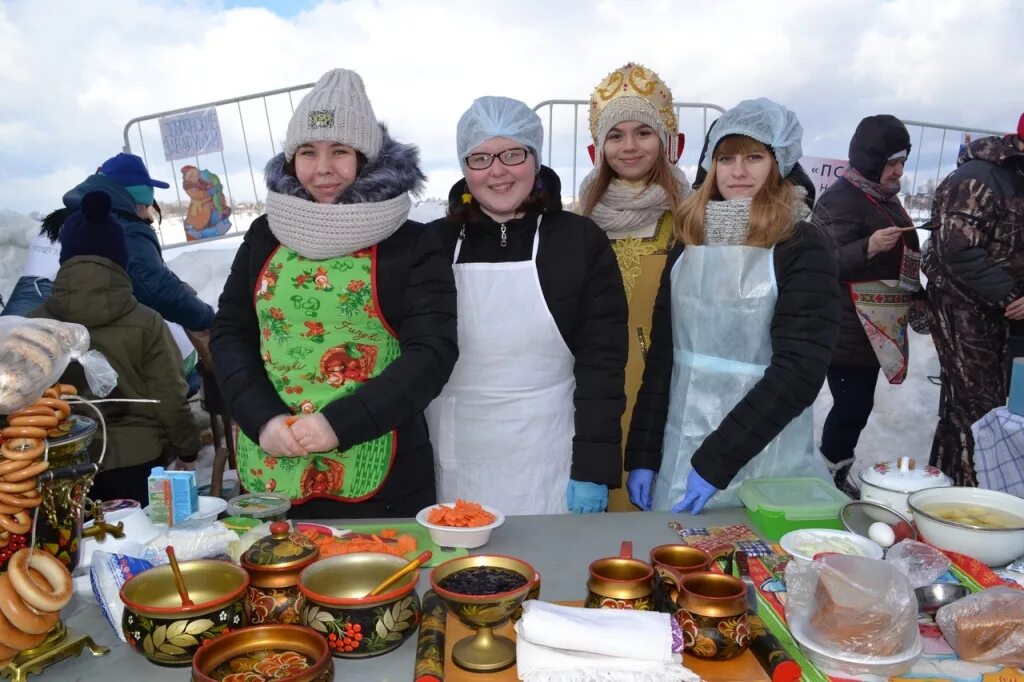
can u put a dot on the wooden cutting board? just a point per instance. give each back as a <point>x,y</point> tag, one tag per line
<point>743,668</point>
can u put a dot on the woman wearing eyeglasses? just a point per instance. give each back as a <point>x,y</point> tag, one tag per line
<point>632,193</point>
<point>529,421</point>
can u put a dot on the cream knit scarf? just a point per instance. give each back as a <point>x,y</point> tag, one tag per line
<point>625,207</point>
<point>322,231</point>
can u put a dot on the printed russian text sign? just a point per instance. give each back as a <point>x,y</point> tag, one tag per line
<point>823,171</point>
<point>190,134</point>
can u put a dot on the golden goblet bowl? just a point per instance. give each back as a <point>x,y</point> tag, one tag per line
<point>484,652</point>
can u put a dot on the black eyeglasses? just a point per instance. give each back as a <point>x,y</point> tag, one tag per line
<point>513,156</point>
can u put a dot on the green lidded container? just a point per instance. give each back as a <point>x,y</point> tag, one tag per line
<point>779,505</point>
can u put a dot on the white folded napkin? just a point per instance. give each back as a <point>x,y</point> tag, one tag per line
<point>569,644</point>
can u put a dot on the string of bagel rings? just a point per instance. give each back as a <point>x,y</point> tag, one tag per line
<point>36,585</point>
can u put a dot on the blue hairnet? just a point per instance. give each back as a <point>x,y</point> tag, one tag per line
<point>490,117</point>
<point>769,123</point>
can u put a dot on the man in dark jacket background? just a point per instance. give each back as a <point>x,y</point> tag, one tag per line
<point>862,210</point>
<point>92,289</point>
<point>974,263</point>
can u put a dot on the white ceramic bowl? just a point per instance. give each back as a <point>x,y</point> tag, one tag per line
<point>452,536</point>
<point>826,538</point>
<point>991,546</point>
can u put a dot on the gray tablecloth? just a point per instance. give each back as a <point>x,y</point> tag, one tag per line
<point>559,547</point>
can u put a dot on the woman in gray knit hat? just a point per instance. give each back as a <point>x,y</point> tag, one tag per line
<point>337,323</point>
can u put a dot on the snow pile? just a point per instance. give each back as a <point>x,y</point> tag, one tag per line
<point>15,232</point>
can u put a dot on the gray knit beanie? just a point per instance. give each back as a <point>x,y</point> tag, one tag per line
<point>335,110</point>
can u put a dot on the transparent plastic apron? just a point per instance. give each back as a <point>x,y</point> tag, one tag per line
<point>723,302</point>
<point>503,426</point>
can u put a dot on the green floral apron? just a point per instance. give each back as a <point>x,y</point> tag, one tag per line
<point>321,338</point>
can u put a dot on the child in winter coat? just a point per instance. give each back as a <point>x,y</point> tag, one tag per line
<point>530,421</point>
<point>631,194</point>
<point>744,325</point>
<point>92,288</point>
<point>336,326</point>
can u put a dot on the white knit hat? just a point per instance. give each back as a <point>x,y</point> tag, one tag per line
<point>335,110</point>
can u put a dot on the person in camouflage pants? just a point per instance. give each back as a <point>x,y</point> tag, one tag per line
<point>974,263</point>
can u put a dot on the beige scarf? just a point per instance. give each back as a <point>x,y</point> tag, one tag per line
<point>625,207</point>
<point>321,231</point>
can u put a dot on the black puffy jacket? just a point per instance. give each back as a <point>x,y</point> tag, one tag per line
<point>852,217</point>
<point>803,332</point>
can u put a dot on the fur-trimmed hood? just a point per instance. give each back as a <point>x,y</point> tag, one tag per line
<point>395,171</point>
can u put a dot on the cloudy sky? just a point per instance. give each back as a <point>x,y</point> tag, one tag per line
<point>73,73</point>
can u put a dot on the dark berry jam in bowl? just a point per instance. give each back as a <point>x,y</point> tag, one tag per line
<point>509,579</point>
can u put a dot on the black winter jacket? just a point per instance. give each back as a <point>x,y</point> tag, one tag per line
<point>803,333</point>
<point>852,217</point>
<point>582,287</point>
<point>417,299</point>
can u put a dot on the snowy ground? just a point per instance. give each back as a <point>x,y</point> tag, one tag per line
<point>902,423</point>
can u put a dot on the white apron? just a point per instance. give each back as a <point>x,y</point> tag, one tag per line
<point>723,302</point>
<point>502,428</point>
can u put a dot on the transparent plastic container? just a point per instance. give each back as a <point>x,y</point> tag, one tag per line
<point>261,506</point>
<point>779,505</point>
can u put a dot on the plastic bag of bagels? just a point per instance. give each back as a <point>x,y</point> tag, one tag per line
<point>34,354</point>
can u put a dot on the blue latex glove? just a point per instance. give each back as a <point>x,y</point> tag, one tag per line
<point>640,484</point>
<point>585,497</point>
<point>698,493</point>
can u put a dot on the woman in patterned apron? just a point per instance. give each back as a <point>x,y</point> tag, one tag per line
<point>744,324</point>
<point>337,323</point>
<point>631,194</point>
<point>530,420</point>
<point>879,271</point>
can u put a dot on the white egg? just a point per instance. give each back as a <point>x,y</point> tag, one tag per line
<point>882,534</point>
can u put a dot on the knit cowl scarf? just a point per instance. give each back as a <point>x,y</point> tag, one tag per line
<point>872,189</point>
<point>365,213</point>
<point>625,207</point>
<point>728,222</point>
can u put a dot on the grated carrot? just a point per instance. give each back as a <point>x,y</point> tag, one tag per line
<point>463,514</point>
<point>388,541</point>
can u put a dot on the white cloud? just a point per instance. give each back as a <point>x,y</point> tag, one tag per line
<point>72,73</point>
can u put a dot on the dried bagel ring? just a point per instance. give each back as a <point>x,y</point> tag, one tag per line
<point>34,410</point>
<point>56,404</point>
<point>20,614</point>
<point>22,501</point>
<point>12,636</point>
<point>19,487</point>
<point>24,432</point>
<point>9,466</point>
<point>52,571</point>
<point>19,523</point>
<point>31,471</point>
<point>8,653</point>
<point>10,509</point>
<point>22,449</point>
<point>67,389</point>
<point>40,420</point>
<point>5,538</point>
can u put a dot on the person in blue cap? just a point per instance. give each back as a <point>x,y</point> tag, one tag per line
<point>744,324</point>
<point>530,420</point>
<point>125,179</point>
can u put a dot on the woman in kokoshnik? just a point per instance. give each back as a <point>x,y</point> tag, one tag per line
<point>336,326</point>
<point>632,193</point>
